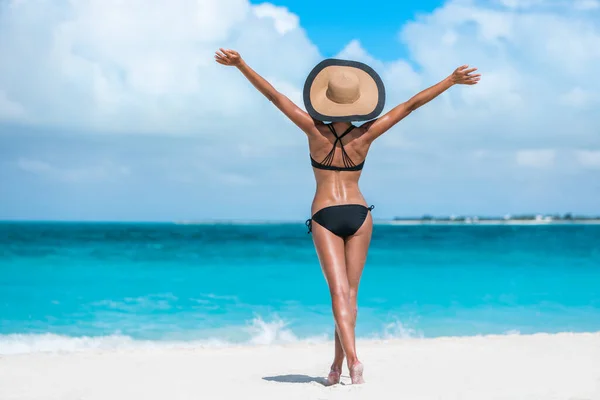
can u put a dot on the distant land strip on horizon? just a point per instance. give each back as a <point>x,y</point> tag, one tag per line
<point>525,219</point>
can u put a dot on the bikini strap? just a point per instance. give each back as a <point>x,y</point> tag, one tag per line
<point>371,208</point>
<point>348,163</point>
<point>347,131</point>
<point>332,129</point>
<point>308,224</point>
<point>328,160</point>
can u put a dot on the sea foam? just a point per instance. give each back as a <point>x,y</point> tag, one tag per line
<point>258,332</point>
<point>261,333</point>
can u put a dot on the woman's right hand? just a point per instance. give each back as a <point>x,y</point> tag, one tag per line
<point>228,57</point>
<point>462,76</point>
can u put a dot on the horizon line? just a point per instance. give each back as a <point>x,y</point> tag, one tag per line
<point>545,219</point>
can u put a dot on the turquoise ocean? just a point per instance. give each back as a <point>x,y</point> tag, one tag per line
<point>72,286</point>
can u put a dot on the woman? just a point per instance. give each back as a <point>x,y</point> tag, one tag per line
<point>341,91</point>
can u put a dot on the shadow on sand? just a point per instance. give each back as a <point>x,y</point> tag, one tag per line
<point>294,378</point>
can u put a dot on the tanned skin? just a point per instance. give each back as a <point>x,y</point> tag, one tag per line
<point>342,261</point>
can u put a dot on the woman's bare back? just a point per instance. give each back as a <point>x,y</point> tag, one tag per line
<point>337,187</point>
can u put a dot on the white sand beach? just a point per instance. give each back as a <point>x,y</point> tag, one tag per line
<point>541,366</point>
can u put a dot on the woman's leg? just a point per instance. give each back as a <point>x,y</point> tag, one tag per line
<point>338,360</point>
<point>332,256</point>
<point>338,357</point>
<point>356,249</point>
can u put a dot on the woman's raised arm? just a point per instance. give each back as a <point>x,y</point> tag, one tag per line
<point>462,75</point>
<point>291,110</point>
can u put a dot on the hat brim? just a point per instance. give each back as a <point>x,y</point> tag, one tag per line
<point>367,107</point>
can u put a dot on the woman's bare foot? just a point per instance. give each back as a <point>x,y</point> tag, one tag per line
<point>356,373</point>
<point>334,376</point>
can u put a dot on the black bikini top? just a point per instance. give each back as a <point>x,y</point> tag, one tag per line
<point>326,163</point>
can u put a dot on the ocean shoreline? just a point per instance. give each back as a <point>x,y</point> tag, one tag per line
<point>122,343</point>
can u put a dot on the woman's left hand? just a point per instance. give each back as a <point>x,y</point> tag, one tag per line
<point>228,57</point>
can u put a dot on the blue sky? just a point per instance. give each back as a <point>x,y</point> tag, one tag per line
<point>331,25</point>
<point>116,111</point>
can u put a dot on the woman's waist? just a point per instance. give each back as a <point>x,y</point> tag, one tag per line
<point>325,198</point>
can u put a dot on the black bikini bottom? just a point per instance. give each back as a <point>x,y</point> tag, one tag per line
<point>342,220</point>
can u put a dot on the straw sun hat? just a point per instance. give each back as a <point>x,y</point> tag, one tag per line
<point>342,90</point>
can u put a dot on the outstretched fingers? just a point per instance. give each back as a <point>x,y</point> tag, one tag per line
<point>221,60</point>
<point>464,75</point>
<point>230,53</point>
<point>227,56</point>
<point>221,57</point>
<point>472,79</point>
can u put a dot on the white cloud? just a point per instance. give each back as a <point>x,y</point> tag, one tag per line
<point>520,3</point>
<point>136,66</point>
<point>532,56</point>
<point>114,66</point>
<point>535,158</point>
<point>588,158</point>
<point>355,51</point>
<point>587,5</point>
<point>126,66</point>
<point>102,172</point>
<point>284,20</point>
